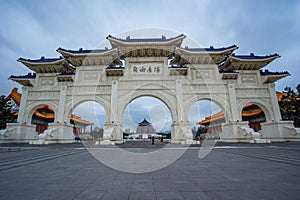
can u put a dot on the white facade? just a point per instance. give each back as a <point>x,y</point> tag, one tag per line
<point>152,67</point>
<point>145,129</point>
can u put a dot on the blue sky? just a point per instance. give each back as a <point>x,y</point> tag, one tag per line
<point>155,111</point>
<point>34,28</point>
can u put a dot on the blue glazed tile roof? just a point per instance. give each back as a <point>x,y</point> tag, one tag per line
<point>83,51</point>
<point>178,66</point>
<point>162,39</point>
<point>28,76</point>
<point>66,74</point>
<point>114,67</point>
<point>41,60</point>
<point>144,123</point>
<point>211,49</point>
<point>268,73</point>
<point>252,56</point>
<point>228,72</point>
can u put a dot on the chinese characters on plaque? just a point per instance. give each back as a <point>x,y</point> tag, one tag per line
<point>146,68</point>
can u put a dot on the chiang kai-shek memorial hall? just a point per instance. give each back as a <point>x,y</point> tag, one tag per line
<point>158,67</point>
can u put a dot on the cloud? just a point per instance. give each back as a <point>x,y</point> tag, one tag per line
<point>92,112</point>
<point>202,109</point>
<point>154,110</point>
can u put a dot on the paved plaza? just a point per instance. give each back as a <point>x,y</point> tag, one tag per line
<point>229,171</point>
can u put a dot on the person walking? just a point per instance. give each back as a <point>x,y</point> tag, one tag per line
<point>153,139</point>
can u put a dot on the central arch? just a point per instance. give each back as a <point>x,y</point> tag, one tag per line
<point>167,100</point>
<point>156,115</point>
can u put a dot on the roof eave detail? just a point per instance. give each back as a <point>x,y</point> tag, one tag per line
<point>270,59</point>
<point>28,63</point>
<point>67,53</point>
<point>274,78</point>
<point>22,81</point>
<point>216,52</point>
<point>115,41</point>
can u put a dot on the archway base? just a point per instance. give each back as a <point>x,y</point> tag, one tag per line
<point>112,134</point>
<point>18,133</point>
<point>181,133</point>
<point>239,132</point>
<point>280,131</point>
<point>57,133</point>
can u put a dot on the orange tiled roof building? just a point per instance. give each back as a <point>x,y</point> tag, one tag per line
<point>45,114</point>
<point>251,113</point>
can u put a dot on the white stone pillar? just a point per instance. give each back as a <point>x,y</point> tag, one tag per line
<point>61,106</point>
<point>232,102</point>
<point>113,130</point>
<point>114,102</point>
<point>274,102</point>
<point>181,130</point>
<point>179,100</point>
<point>23,103</point>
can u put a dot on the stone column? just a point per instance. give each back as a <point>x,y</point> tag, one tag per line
<point>181,130</point>
<point>114,101</point>
<point>179,100</point>
<point>59,131</point>
<point>232,103</point>
<point>62,103</point>
<point>274,102</point>
<point>23,103</point>
<point>230,129</point>
<point>112,129</point>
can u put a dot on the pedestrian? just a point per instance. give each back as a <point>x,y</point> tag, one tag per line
<point>153,139</point>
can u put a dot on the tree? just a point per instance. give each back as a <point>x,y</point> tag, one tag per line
<point>290,105</point>
<point>97,132</point>
<point>6,115</point>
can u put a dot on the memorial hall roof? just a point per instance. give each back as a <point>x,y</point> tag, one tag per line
<point>144,123</point>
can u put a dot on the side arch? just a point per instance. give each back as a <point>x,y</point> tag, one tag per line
<point>81,99</point>
<point>221,102</point>
<point>32,108</point>
<point>266,107</point>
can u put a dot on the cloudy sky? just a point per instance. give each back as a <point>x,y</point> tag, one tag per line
<point>34,28</point>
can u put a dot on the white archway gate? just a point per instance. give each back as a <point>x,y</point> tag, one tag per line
<point>157,67</point>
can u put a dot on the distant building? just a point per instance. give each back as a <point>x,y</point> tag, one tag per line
<point>145,129</point>
<point>128,131</point>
